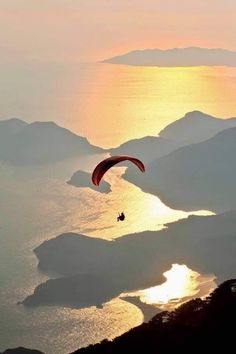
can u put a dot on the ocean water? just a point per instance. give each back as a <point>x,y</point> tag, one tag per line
<point>36,205</point>
<point>110,104</point>
<point>102,103</point>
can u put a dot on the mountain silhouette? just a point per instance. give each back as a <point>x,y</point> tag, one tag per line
<point>197,176</point>
<point>190,56</point>
<point>40,142</point>
<point>147,148</point>
<point>46,142</point>
<point>194,127</point>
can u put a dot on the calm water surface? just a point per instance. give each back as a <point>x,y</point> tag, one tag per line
<point>37,204</point>
<point>109,105</point>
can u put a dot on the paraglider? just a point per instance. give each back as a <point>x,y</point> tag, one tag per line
<point>106,164</point>
<point>121,217</point>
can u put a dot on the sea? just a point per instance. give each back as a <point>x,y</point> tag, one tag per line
<point>109,105</point>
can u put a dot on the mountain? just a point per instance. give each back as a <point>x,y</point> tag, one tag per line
<point>92,271</point>
<point>191,56</point>
<point>197,176</point>
<point>83,179</point>
<point>195,127</point>
<point>10,127</point>
<point>40,142</point>
<point>147,148</point>
<point>46,142</point>
<point>198,324</point>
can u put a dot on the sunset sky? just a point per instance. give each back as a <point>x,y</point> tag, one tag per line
<point>88,30</point>
<point>70,97</point>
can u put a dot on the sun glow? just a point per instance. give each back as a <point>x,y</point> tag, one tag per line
<point>132,102</point>
<point>181,283</point>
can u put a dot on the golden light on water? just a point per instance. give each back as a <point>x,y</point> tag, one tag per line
<point>143,211</point>
<point>181,284</point>
<point>127,102</point>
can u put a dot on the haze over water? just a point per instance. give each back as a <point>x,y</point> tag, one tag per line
<point>51,70</point>
<point>43,206</point>
<point>109,105</point>
<point>124,102</point>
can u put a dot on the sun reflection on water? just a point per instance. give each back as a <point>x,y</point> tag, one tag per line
<point>181,284</point>
<point>143,211</point>
<point>132,102</point>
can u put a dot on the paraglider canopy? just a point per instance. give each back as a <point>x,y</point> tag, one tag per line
<point>106,164</point>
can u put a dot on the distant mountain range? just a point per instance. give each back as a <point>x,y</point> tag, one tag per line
<point>197,176</point>
<point>194,127</point>
<point>147,148</point>
<point>184,175</point>
<point>46,142</point>
<point>40,142</point>
<point>191,56</point>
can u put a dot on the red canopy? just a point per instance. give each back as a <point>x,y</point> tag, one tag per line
<point>106,164</point>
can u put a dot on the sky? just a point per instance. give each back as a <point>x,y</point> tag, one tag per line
<point>91,30</point>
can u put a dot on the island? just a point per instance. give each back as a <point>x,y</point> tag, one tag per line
<point>92,271</point>
<point>83,180</point>
<point>190,56</point>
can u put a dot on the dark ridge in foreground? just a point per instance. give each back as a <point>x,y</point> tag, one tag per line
<point>198,324</point>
